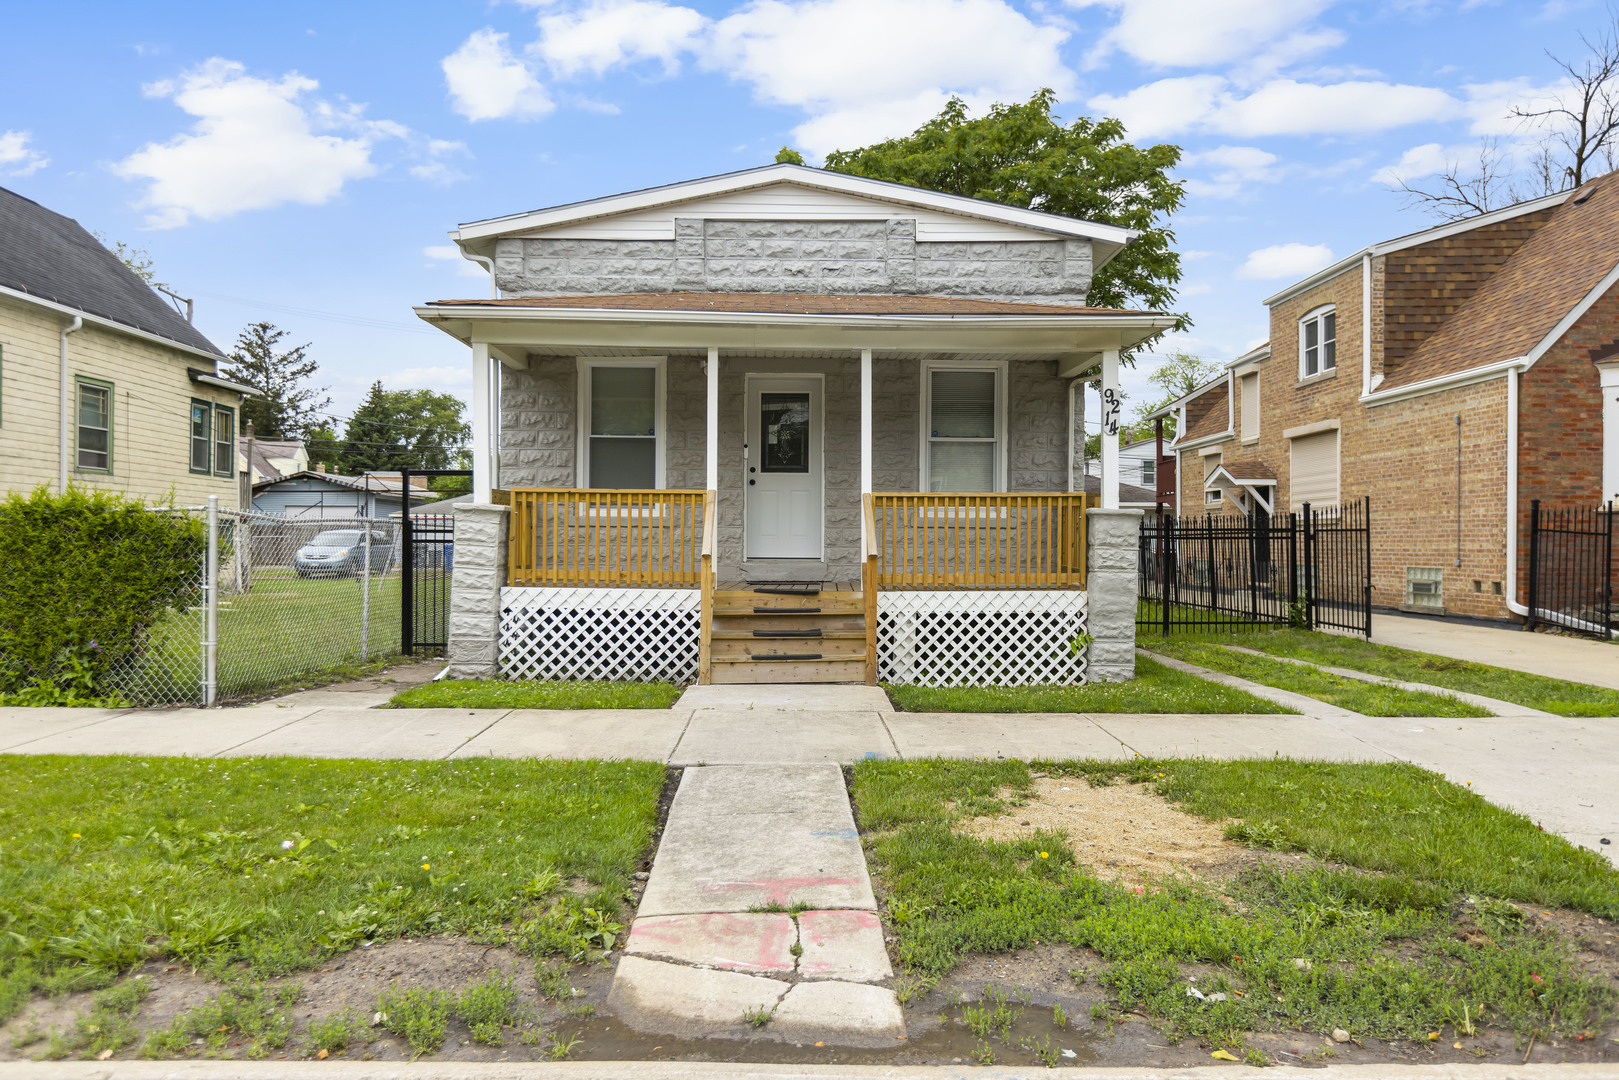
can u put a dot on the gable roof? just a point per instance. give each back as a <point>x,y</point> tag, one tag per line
<point>1207,412</point>
<point>1107,240</point>
<point>53,258</point>
<point>1522,305</point>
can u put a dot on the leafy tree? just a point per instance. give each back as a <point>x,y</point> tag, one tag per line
<point>137,259</point>
<point>409,429</point>
<point>287,407</point>
<point>1020,155</point>
<point>788,156</point>
<point>324,447</point>
<point>1177,374</point>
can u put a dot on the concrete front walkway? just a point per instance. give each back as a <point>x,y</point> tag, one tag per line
<point>1559,771</point>
<point>1577,659</point>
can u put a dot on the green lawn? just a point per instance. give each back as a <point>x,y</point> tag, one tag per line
<point>274,864</point>
<point>1536,691</point>
<point>1369,699</point>
<point>1155,689</point>
<point>1375,953</point>
<point>285,630</point>
<point>493,694</point>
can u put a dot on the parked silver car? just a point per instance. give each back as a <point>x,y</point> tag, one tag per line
<point>341,553</point>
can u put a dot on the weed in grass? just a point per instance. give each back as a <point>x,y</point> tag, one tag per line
<point>107,1028</point>
<point>570,930</point>
<point>338,1031</point>
<point>480,694</point>
<point>908,989</point>
<point>1265,834</point>
<point>561,1048</point>
<point>579,1010</point>
<point>554,981</point>
<point>27,1035</point>
<point>1042,1050</point>
<point>488,1006</point>
<point>1059,1017</point>
<point>984,1053</point>
<point>253,1014</point>
<point>776,907</point>
<point>759,1017</point>
<point>417,1015</point>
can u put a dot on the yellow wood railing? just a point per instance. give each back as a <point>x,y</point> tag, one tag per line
<point>705,648</point>
<point>869,572</point>
<point>994,540</point>
<point>578,536</point>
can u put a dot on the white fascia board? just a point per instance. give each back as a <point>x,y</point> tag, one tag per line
<point>1455,379</point>
<point>1568,320</point>
<point>804,176</point>
<point>1400,243</point>
<point>1219,380</point>
<point>224,384</point>
<point>1202,441</point>
<point>110,324</point>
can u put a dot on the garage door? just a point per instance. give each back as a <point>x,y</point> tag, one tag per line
<point>1314,472</point>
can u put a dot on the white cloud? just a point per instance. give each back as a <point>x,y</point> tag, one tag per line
<point>1278,107</point>
<point>1285,261</point>
<point>609,33</point>
<point>434,169</point>
<point>451,254</point>
<point>16,158</point>
<point>865,69</point>
<point>1490,104</point>
<point>1424,160</point>
<point>1230,169</point>
<point>487,82</point>
<point>440,377</point>
<point>1173,33</point>
<point>256,143</point>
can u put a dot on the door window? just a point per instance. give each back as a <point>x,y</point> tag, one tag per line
<point>784,428</point>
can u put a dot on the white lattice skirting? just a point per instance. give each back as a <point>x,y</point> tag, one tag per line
<point>990,638</point>
<point>619,635</point>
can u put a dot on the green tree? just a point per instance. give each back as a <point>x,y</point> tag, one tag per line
<point>1177,374</point>
<point>286,406</point>
<point>324,447</point>
<point>788,156</point>
<point>137,259</point>
<point>1020,155</point>
<point>405,429</point>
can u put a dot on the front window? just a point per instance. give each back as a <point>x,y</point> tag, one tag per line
<point>95,426</point>
<point>201,435</point>
<point>623,442</point>
<point>224,441</point>
<point>1318,342</point>
<point>963,444</point>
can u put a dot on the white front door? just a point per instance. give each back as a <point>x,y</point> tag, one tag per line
<point>782,467</point>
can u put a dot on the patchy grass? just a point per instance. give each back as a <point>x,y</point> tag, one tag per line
<point>1536,691</point>
<point>1155,689</point>
<point>260,866</point>
<point>477,694</point>
<point>1374,953</point>
<point>1368,699</point>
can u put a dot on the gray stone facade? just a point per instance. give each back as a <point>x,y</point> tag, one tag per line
<point>1112,548</point>
<point>881,257</point>
<point>475,583</point>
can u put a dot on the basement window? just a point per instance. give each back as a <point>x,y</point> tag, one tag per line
<point>1424,587</point>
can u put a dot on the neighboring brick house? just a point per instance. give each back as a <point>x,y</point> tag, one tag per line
<point>102,384</point>
<point>1471,383</point>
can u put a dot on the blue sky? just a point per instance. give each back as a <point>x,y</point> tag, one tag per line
<point>301,162</point>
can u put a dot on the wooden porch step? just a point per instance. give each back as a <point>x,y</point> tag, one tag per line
<point>776,648</point>
<point>743,598</point>
<point>728,634</point>
<point>735,669</point>
<point>836,623</point>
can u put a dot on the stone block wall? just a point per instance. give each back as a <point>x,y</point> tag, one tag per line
<point>882,257</point>
<point>475,583</point>
<point>1112,544</point>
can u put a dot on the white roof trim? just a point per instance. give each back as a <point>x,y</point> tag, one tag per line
<point>435,313</point>
<point>1400,243</point>
<point>1452,381</point>
<point>111,324</point>
<point>1567,321</point>
<point>804,176</point>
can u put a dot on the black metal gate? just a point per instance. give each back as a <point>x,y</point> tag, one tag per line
<point>427,556</point>
<point>1309,570</point>
<point>1571,568</point>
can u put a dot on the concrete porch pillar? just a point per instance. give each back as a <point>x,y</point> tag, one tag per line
<point>1112,539</point>
<point>476,579</point>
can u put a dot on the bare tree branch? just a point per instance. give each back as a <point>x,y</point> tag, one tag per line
<point>1584,120</point>
<point>1458,196</point>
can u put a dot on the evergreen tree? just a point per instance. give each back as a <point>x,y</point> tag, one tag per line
<point>410,429</point>
<point>287,407</point>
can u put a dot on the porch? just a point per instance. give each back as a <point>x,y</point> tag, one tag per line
<point>952,588</point>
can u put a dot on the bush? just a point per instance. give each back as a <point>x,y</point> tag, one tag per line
<point>83,577</point>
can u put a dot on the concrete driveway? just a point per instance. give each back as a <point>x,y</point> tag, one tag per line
<point>1577,659</point>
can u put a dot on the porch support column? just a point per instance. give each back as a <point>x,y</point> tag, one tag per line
<point>711,450</point>
<point>1111,403</point>
<point>865,438</point>
<point>483,426</point>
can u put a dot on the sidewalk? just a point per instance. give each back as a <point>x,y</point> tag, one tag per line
<point>1560,771</point>
<point>1577,659</point>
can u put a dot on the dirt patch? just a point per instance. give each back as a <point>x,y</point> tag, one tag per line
<point>1121,832</point>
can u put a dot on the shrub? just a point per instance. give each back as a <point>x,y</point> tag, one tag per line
<point>84,575</point>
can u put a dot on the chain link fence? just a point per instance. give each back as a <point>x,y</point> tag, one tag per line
<point>297,598</point>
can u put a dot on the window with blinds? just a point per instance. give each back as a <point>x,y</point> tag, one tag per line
<point>963,431</point>
<point>224,441</point>
<point>1318,342</point>
<point>1250,405</point>
<point>623,442</point>
<point>1313,476</point>
<point>94,445</point>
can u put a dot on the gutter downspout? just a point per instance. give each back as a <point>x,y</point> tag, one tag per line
<point>64,408</point>
<point>489,265</point>
<point>1366,324</point>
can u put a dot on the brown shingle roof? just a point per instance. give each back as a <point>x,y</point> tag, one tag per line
<point>1248,470</point>
<point>1206,413</point>
<point>1521,303</point>
<point>790,304</point>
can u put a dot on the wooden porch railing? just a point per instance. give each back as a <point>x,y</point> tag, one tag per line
<point>590,536</point>
<point>994,540</point>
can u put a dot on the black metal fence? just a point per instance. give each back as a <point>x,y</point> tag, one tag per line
<point>427,558</point>
<point>1312,569</point>
<point>1571,570</point>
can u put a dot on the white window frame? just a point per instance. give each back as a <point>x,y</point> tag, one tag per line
<point>1242,407</point>
<point>1148,464</point>
<point>659,416</point>
<point>999,368</point>
<point>1315,315</point>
